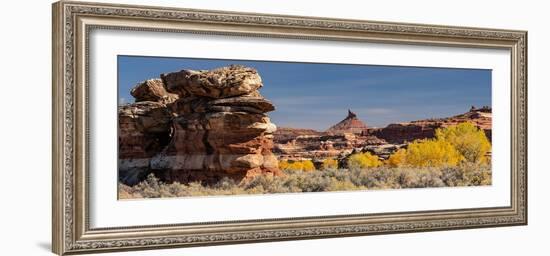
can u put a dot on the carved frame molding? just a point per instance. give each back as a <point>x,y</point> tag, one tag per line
<point>72,22</point>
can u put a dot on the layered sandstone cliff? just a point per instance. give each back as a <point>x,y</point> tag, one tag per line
<point>197,126</point>
<point>422,129</point>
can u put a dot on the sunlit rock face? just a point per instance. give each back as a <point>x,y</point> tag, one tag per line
<point>214,125</point>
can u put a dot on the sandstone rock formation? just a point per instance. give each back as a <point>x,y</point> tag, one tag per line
<point>213,125</point>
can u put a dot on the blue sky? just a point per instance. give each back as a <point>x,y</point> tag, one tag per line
<point>317,95</point>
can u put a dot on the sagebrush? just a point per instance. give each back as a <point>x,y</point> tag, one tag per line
<point>383,177</point>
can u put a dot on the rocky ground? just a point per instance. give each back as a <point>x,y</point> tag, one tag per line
<point>352,135</point>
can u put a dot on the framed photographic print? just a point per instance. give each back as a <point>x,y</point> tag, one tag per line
<point>179,127</point>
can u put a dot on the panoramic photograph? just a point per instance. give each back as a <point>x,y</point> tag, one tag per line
<point>212,127</point>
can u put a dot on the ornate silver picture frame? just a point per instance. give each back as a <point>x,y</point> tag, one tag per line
<point>72,202</point>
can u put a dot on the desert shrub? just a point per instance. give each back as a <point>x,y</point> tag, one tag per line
<point>267,184</point>
<point>314,184</point>
<point>394,178</point>
<point>306,181</point>
<point>345,185</point>
<point>470,141</point>
<point>330,163</point>
<point>225,183</point>
<point>452,176</point>
<point>339,174</point>
<point>300,165</point>
<point>420,178</point>
<point>127,192</point>
<point>363,160</point>
<point>467,175</point>
<point>150,187</point>
<point>375,178</point>
<point>434,153</point>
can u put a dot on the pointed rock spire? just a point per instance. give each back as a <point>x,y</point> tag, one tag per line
<point>351,114</point>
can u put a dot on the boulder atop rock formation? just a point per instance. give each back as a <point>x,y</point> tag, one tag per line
<point>224,82</point>
<point>153,90</point>
<point>351,124</point>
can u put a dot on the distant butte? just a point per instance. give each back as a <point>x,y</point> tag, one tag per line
<point>351,124</point>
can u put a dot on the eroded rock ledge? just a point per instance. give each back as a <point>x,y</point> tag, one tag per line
<point>197,126</point>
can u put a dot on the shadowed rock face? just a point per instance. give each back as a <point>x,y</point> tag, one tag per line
<point>143,131</point>
<point>214,122</point>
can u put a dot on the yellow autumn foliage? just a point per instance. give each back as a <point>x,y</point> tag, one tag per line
<point>363,160</point>
<point>432,153</point>
<point>452,145</point>
<point>301,165</point>
<point>469,140</point>
<point>330,163</point>
<point>398,158</point>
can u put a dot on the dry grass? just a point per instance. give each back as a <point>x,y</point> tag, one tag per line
<point>319,181</point>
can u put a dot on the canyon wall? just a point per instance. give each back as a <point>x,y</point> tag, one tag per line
<point>422,129</point>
